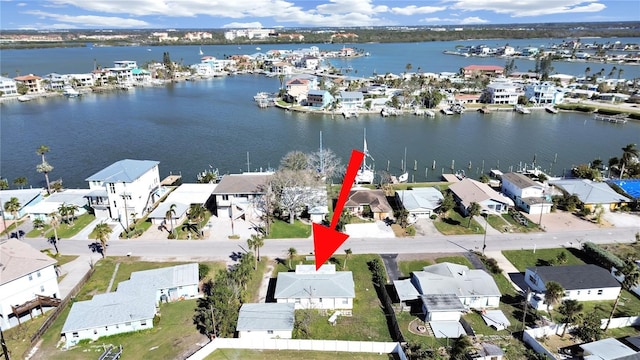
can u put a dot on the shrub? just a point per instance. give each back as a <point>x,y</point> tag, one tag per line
<point>411,231</point>
<point>203,271</point>
<point>601,256</point>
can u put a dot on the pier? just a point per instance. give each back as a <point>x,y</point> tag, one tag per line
<point>616,119</point>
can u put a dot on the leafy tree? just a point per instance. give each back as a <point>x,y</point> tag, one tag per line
<point>13,206</point>
<point>473,210</point>
<point>590,328</point>
<point>291,253</point>
<point>295,160</point>
<point>294,190</point>
<point>102,232</point>
<point>414,351</point>
<point>20,182</point>
<point>326,164</point>
<point>631,275</point>
<point>562,257</point>
<point>44,167</point>
<point>553,294</point>
<point>447,203</point>
<point>570,310</point>
<point>196,213</point>
<point>484,179</point>
<point>4,184</point>
<point>460,348</point>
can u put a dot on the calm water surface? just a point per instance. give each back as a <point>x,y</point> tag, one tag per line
<point>189,126</point>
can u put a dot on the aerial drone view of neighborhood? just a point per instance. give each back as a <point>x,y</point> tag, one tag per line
<point>303,237</point>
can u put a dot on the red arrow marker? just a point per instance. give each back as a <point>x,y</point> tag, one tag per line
<point>326,240</point>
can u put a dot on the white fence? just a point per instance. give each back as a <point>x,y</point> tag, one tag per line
<point>294,344</point>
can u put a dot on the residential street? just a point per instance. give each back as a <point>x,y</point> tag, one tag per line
<point>222,249</point>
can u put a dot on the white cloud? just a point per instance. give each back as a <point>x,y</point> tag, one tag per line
<point>21,4</point>
<point>248,25</point>
<point>465,21</point>
<point>90,20</point>
<point>473,20</point>
<point>524,8</point>
<point>414,10</point>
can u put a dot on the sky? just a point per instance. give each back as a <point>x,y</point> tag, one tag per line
<point>215,14</point>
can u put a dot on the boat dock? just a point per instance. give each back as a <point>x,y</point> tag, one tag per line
<point>616,119</point>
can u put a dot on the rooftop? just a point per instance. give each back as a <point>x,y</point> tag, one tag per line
<point>267,316</point>
<point>575,277</point>
<point>126,170</point>
<point>18,259</point>
<point>247,183</point>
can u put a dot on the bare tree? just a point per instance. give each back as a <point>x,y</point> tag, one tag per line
<point>294,190</point>
<point>326,163</point>
<point>295,160</point>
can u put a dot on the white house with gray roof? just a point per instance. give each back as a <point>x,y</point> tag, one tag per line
<point>183,197</point>
<point>469,191</point>
<point>235,192</point>
<point>592,193</point>
<point>527,194</point>
<point>124,188</point>
<point>420,202</point>
<point>266,321</point>
<point>26,197</point>
<point>51,203</point>
<point>24,273</point>
<point>310,289</point>
<point>132,306</point>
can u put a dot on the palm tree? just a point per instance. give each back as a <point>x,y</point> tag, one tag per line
<point>20,182</point>
<point>102,232</point>
<point>629,153</point>
<point>553,295</point>
<point>44,166</point>
<point>258,242</point>
<point>196,213</point>
<point>71,209</point>
<point>63,210</point>
<point>169,216</point>
<point>474,210</point>
<point>38,223</point>
<point>54,221</point>
<point>347,255</point>
<point>631,279</point>
<point>13,206</point>
<point>292,253</point>
<point>570,311</point>
<point>587,71</point>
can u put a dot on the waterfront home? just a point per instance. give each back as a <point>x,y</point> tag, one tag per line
<point>51,203</point>
<point>26,275</point>
<point>282,67</point>
<point>266,321</point>
<point>368,202</point>
<point>319,99</point>
<point>580,282</point>
<point>351,100</point>
<point>469,191</point>
<point>32,82</point>
<point>527,194</point>
<point>85,80</point>
<point>183,197</point>
<point>235,192</point>
<point>310,62</point>
<point>591,193</point>
<point>420,202</point>
<point>482,70</point>
<point>55,81</point>
<point>124,188</point>
<point>529,51</point>
<point>297,90</point>
<point>324,289</point>
<point>501,91</point>
<point>26,197</point>
<point>8,87</point>
<point>544,93</point>
<point>132,306</point>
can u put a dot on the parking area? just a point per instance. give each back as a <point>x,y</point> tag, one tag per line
<point>377,229</point>
<point>561,220</point>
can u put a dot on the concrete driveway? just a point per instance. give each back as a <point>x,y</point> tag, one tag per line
<point>377,229</point>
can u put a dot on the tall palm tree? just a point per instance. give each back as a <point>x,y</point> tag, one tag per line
<point>169,216</point>
<point>44,167</point>
<point>631,275</point>
<point>13,206</point>
<point>570,310</point>
<point>102,232</point>
<point>258,242</point>
<point>629,153</point>
<point>347,255</point>
<point>292,253</point>
<point>553,295</point>
<point>54,221</point>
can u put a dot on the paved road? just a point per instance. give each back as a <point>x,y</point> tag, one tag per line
<point>181,250</point>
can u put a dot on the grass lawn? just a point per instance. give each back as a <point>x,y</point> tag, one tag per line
<point>455,224</point>
<point>368,322</point>
<point>460,260</point>
<point>517,227</point>
<point>522,259</point>
<point>15,336</point>
<point>226,354</point>
<point>283,230</point>
<point>406,267</point>
<point>629,305</point>
<point>178,336</point>
<point>499,223</point>
<point>66,231</point>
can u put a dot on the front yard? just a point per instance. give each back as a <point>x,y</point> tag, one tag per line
<point>453,223</point>
<point>283,230</point>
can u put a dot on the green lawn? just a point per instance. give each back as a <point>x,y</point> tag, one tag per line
<point>455,224</point>
<point>368,322</point>
<point>226,354</point>
<point>15,337</point>
<point>499,223</point>
<point>406,267</point>
<point>65,231</point>
<point>460,260</point>
<point>283,230</point>
<point>522,259</point>
<point>517,227</point>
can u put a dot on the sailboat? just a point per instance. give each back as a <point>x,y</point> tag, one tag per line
<point>200,52</point>
<point>404,177</point>
<point>365,174</point>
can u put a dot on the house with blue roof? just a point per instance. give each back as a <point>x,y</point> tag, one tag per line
<point>124,188</point>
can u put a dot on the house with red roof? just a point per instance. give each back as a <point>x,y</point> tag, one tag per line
<point>482,70</point>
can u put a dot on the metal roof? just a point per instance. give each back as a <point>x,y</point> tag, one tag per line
<point>575,277</point>
<point>608,348</point>
<point>448,278</point>
<point>24,196</point>
<point>420,198</point>
<point>406,290</point>
<point>520,180</point>
<point>315,285</point>
<point>18,259</point>
<point>442,303</point>
<point>267,316</point>
<point>126,170</point>
<point>590,192</point>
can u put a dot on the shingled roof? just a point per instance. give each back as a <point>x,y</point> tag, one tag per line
<point>575,277</point>
<point>18,259</point>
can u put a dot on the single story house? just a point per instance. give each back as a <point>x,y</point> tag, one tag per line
<point>608,348</point>
<point>26,197</point>
<point>25,274</point>
<point>442,307</point>
<point>469,191</point>
<point>527,194</point>
<point>420,202</point>
<point>51,203</point>
<point>592,193</point>
<point>132,306</point>
<point>266,321</point>
<point>183,197</point>
<point>311,289</point>
<point>581,282</point>
<point>375,200</point>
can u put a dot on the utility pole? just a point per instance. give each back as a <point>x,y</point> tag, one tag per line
<point>5,351</point>
<point>484,240</point>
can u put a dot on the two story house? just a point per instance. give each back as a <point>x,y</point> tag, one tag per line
<point>527,194</point>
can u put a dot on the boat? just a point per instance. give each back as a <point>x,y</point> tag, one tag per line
<point>521,109</point>
<point>258,48</point>
<point>457,108</point>
<point>200,52</point>
<point>484,110</point>
<point>70,92</point>
<point>446,111</point>
<point>551,109</point>
<point>349,113</point>
<point>24,98</point>
<point>460,174</point>
<point>429,113</point>
<point>365,174</point>
<point>404,177</point>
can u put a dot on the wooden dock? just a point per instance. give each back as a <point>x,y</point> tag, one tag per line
<point>616,119</point>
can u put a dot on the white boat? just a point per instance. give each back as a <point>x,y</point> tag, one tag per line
<point>70,92</point>
<point>403,178</point>
<point>349,113</point>
<point>457,109</point>
<point>521,109</point>
<point>258,48</point>
<point>446,111</point>
<point>24,98</point>
<point>550,109</point>
<point>200,52</point>
<point>429,113</point>
<point>365,174</point>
